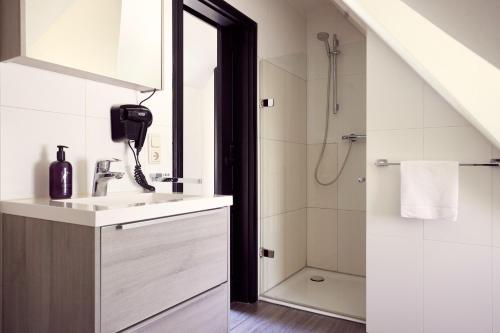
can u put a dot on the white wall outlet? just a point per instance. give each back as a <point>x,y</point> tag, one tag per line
<point>154,149</point>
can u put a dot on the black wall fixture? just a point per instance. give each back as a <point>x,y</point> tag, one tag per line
<point>235,128</point>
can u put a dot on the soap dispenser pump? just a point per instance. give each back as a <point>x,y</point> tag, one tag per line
<point>61,176</point>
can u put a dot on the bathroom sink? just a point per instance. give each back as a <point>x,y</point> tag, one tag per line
<point>114,208</point>
<point>124,200</point>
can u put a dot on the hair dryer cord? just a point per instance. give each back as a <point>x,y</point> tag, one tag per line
<point>138,174</point>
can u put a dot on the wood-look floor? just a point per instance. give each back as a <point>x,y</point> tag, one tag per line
<point>262,317</point>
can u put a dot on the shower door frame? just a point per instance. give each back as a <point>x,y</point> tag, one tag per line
<point>235,129</point>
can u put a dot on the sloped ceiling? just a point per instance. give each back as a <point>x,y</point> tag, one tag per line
<point>465,79</point>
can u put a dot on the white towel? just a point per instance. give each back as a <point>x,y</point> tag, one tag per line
<point>429,190</point>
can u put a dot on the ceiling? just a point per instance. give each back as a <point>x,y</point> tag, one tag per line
<point>307,5</point>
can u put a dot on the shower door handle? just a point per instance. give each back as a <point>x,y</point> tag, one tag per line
<point>267,103</point>
<point>266,253</point>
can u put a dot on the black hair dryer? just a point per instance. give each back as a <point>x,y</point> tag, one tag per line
<point>130,122</point>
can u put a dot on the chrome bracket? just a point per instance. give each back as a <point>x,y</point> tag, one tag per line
<point>267,103</point>
<point>266,253</point>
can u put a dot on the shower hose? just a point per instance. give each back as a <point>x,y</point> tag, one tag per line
<point>327,126</point>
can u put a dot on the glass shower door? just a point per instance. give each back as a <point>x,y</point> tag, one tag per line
<point>283,173</point>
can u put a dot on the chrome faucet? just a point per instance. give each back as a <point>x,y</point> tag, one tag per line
<point>102,175</point>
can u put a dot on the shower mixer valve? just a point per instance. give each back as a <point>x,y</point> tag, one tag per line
<point>353,137</point>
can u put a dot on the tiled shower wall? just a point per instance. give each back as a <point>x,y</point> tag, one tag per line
<point>304,223</point>
<point>336,213</point>
<point>283,170</point>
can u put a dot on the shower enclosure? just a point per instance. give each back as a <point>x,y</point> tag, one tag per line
<point>312,167</point>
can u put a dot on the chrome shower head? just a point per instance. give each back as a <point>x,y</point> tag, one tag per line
<point>324,36</point>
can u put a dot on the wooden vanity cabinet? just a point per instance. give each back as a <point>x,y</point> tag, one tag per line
<point>167,274</point>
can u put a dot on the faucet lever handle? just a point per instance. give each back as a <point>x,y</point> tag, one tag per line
<point>103,165</point>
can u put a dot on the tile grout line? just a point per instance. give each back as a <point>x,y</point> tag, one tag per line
<point>492,251</point>
<point>45,111</point>
<point>423,222</point>
<point>85,135</point>
<point>416,128</point>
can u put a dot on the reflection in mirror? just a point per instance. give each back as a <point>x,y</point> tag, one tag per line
<point>200,61</point>
<point>120,39</point>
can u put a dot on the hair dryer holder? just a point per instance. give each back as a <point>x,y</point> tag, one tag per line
<point>130,122</point>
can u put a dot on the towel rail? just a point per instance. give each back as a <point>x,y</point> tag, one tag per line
<point>493,163</point>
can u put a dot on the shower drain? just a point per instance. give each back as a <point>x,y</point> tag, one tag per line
<point>317,278</point>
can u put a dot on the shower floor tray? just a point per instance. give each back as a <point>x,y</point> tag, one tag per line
<point>340,294</point>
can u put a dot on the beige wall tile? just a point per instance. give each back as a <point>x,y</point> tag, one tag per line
<point>351,117</point>
<point>352,193</point>
<point>316,114</point>
<point>272,85</point>
<point>296,108</point>
<point>295,170</point>
<point>352,242</point>
<point>322,238</point>
<point>352,58</point>
<point>273,166</point>
<point>273,238</point>
<point>320,196</point>
<point>295,241</point>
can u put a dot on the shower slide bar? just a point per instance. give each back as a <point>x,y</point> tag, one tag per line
<point>493,163</point>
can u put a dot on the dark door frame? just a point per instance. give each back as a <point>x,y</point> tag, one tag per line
<point>235,128</point>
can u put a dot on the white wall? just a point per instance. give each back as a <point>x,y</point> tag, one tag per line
<point>41,109</point>
<point>200,60</point>
<point>430,276</point>
<point>199,155</point>
<point>336,213</point>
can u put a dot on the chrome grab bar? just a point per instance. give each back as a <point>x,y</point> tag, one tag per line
<point>166,178</point>
<point>493,163</point>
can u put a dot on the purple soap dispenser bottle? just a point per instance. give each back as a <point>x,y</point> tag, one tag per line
<point>60,176</point>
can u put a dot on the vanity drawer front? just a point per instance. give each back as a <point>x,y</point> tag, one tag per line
<point>206,313</point>
<point>150,266</point>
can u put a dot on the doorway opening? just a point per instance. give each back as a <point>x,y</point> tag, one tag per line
<point>233,126</point>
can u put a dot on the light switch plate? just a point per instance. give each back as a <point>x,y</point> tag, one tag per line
<point>154,149</point>
<point>155,141</point>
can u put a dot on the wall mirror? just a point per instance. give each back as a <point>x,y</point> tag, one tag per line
<point>115,41</point>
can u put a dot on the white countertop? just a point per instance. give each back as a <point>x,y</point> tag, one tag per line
<point>114,208</point>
